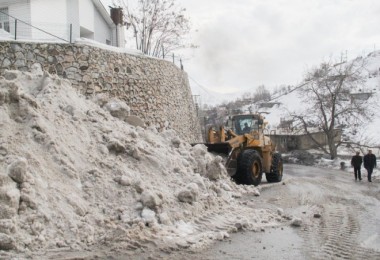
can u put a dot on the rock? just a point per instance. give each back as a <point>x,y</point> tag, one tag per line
<point>280,211</point>
<point>6,242</point>
<point>17,170</point>
<point>317,215</point>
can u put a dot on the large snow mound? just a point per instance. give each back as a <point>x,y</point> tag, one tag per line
<point>75,177</point>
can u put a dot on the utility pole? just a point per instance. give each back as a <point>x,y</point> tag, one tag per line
<point>196,99</point>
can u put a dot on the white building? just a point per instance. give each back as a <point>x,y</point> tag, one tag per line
<point>60,20</point>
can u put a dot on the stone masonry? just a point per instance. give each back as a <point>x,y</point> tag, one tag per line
<point>155,90</point>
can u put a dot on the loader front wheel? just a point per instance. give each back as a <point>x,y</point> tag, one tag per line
<point>276,170</point>
<point>249,168</point>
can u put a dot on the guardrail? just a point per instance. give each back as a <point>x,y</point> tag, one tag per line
<point>16,29</point>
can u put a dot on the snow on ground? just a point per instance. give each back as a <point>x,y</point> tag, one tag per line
<point>74,177</point>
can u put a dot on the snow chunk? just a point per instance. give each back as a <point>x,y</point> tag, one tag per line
<point>296,222</point>
<point>148,215</point>
<point>17,170</point>
<point>135,121</point>
<point>189,194</point>
<point>216,169</point>
<point>118,109</point>
<point>116,147</point>
<point>164,219</point>
<point>6,242</point>
<point>151,200</point>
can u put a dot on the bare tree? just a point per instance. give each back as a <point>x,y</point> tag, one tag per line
<point>158,25</point>
<point>326,94</point>
<point>261,94</point>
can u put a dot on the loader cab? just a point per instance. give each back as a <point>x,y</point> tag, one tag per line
<point>243,124</point>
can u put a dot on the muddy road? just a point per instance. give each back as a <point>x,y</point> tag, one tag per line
<point>340,219</point>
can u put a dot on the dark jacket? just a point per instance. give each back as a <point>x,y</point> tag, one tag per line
<point>369,161</point>
<point>356,161</point>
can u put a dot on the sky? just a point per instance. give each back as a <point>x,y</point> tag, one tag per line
<point>247,43</point>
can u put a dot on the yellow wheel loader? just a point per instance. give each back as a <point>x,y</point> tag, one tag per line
<point>250,152</point>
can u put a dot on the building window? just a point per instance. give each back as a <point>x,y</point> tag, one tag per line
<point>4,19</point>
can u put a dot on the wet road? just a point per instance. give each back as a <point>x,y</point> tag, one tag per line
<point>340,220</point>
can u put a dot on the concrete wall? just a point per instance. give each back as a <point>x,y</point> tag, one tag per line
<point>155,90</point>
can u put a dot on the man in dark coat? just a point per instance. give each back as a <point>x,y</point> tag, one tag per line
<point>369,163</point>
<point>356,162</point>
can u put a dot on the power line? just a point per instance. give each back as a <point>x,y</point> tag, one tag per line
<point>203,88</point>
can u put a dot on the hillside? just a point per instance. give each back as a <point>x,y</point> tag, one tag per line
<point>366,133</point>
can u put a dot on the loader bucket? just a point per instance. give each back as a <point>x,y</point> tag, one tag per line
<point>223,148</point>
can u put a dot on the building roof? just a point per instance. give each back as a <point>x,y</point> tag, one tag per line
<point>103,11</point>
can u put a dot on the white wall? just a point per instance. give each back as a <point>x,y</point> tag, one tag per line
<point>50,16</point>
<point>87,15</point>
<point>48,11</point>
<point>73,18</point>
<point>55,17</point>
<point>103,31</point>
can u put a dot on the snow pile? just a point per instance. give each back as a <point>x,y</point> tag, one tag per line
<point>75,175</point>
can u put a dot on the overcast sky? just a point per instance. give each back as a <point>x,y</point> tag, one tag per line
<point>247,43</point>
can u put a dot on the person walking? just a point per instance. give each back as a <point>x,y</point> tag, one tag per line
<point>356,162</point>
<point>369,163</point>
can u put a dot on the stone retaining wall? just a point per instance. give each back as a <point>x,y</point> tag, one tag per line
<point>156,90</point>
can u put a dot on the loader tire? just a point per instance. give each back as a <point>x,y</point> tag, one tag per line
<point>276,170</point>
<point>249,168</point>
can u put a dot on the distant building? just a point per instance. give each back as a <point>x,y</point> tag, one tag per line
<point>60,19</point>
<point>360,96</point>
